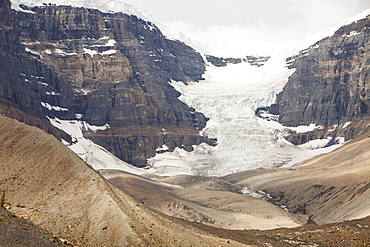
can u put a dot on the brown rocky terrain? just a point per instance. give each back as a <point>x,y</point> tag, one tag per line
<point>210,201</point>
<point>50,186</point>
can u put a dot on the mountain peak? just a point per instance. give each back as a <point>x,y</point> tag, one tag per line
<point>104,6</point>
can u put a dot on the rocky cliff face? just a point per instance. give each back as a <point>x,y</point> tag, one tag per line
<point>22,85</point>
<point>103,68</point>
<point>252,60</point>
<point>331,83</point>
<point>330,87</point>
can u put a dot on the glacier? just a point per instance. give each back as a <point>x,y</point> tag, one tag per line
<point>228,96</point>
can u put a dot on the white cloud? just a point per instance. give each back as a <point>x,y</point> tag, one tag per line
<point>265,20</point>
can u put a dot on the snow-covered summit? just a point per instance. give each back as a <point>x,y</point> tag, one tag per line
<point>234,49</point>
<point>111,6</point>
<point>102,5</point>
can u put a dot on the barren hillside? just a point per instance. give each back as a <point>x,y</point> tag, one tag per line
<point>49,185</point>
<point>16,231</point>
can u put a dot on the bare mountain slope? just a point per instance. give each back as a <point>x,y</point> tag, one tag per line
<point>210,201</point>
<point>330,188</point>
<point>51,186</point>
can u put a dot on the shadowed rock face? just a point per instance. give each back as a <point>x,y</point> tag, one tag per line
<point>21,78</point>
<point>16,231</point>
<point>252,60</point>
<point>107,68</point>
<point>331,82</point>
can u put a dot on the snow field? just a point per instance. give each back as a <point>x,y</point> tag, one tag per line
<point>94,155</point>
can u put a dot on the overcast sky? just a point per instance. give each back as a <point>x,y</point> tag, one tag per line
<point>251,19</point>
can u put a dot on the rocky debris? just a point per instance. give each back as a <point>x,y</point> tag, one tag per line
<point>199,182</point>
<point>349,233</point>
<point>222,62</point>
<point>105,68</point>
<point>206,200</point>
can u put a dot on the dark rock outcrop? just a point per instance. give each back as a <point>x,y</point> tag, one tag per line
<point>16,231</point>
<point>103,68</point>
<point>252,60</point>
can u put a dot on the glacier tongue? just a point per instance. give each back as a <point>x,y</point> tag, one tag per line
<point>229,96</point>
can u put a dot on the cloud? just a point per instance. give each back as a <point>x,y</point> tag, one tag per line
<point>226,34</point>
<point>265,20</point>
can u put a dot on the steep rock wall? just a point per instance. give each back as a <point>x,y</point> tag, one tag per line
<point>108,68</point>
<point>252,60</point>
<point>331,83</point>
<point>22,80</point>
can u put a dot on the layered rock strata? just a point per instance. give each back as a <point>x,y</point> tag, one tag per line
<point>330,86</point>
<point>331,83</point>
<point>106,68</point>
<point>252,60</point>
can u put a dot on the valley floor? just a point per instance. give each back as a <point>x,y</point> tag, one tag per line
<point>329,190</point>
